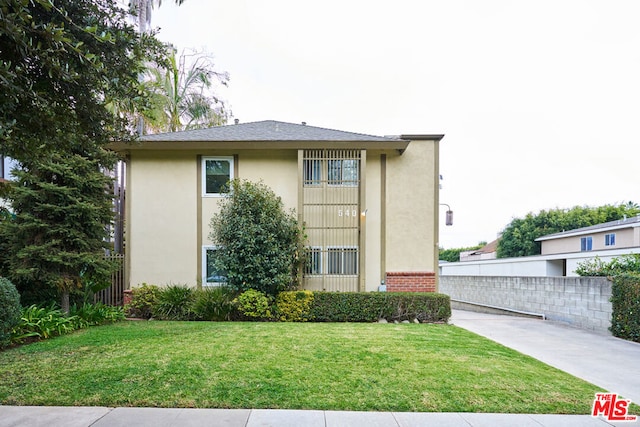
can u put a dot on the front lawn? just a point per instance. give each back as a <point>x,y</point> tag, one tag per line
<point>327,366</point>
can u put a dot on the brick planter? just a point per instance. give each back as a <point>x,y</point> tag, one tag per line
<point>411,281</point>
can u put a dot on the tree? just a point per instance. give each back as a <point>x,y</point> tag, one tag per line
<point>518,238</point>
<point>61,65</point>
<point>260,245</point>
<point>182,96</point>
<point>141,9</point>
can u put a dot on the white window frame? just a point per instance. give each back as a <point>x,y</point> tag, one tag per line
<point>610,239</point>
<point>206,283</point>
<point>344,250</point>
<point>586,244</point>
<point>204,173</point>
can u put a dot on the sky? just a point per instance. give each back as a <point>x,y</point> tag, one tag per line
<point>539,101</point>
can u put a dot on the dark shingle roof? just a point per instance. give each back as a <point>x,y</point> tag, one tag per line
<point>268,130</point>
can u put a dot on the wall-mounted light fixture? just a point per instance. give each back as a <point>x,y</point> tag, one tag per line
<point>449,214</point>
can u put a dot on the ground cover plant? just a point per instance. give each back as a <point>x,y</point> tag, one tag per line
<point>325,366</point>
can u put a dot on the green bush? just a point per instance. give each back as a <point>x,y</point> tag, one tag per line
<point>213,303</point>
<point>253,305</point>
<point>624,264</point>
<point>43,323</point>
<point>259,243</point>
<point>294,306</point>
<point>96,314</point>
<point>175,302</point>
<point>9,310</point>
<point>427,307</point>
<point>372,306</point>
<point>625,299</point>
<point>347,306</point>
<point>143,300</point>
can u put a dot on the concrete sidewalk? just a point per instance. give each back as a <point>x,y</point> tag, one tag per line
<point>159,417</point>
<point>603,360</point>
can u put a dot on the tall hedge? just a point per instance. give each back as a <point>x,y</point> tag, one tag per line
<point>625,299</point>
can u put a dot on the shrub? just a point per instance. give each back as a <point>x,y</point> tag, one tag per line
<point>347,306</point>
<point>214,303</point>
<point>259,244</point>
<point>175,302</point>
<point>426,307</point>
<point>43,322</point>
<point>9,310</point>
<point>625,299</point>
<point>143,300</point>
<point>624,264</point>
<point>96,314</point>
<point>372,306</point>
<point>253,305</point>
<point>294,306</point>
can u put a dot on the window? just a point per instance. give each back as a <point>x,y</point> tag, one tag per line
<point>343,172</point>
<point>212,276</point>
<point>314,263</point>
<point>343,261</point>
<point>312,172</point>
<point>216,173</point>
<point>610,239</point>
<point>586,243</point>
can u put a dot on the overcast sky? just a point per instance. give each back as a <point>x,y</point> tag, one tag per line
<point>539,101</point>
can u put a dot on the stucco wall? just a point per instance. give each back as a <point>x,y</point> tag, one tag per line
<point>578,301</point>
<point>161,243</point>
<point>411,216</point>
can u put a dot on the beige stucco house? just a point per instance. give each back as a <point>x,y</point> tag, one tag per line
<point>619,234</point>
<point>369,203</point>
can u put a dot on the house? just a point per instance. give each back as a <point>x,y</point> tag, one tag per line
<point>561,253</point>
<point>488,251</point>
<point>369,203</point>
<point>619,234</point>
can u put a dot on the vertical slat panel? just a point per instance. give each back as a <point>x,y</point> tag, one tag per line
<point>114,294</point>
<point>331,209</point>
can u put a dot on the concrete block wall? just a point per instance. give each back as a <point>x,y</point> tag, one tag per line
<point>578,301</point>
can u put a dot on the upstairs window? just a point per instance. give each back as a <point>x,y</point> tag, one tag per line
<point>216,173</point>
<point>586,244</point>
<point>610,239</point>
<point>343,172</point>
<point>312,172</point>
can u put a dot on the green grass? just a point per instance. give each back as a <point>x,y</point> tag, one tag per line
<point>327,366</point>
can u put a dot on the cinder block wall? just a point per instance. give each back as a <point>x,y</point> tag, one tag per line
<point>578,301</point>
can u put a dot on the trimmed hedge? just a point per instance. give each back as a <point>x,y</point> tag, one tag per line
<point>625,299</point>
<point>372,306</point>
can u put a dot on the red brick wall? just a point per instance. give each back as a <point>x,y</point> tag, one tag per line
<point>411,281</point>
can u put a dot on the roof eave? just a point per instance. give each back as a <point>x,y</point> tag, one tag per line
<point>399,144</point>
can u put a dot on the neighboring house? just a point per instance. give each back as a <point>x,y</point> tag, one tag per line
<point>561,252</point>
<point>369,203</point>
<point>620,234</point>
<point>488,251</point>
